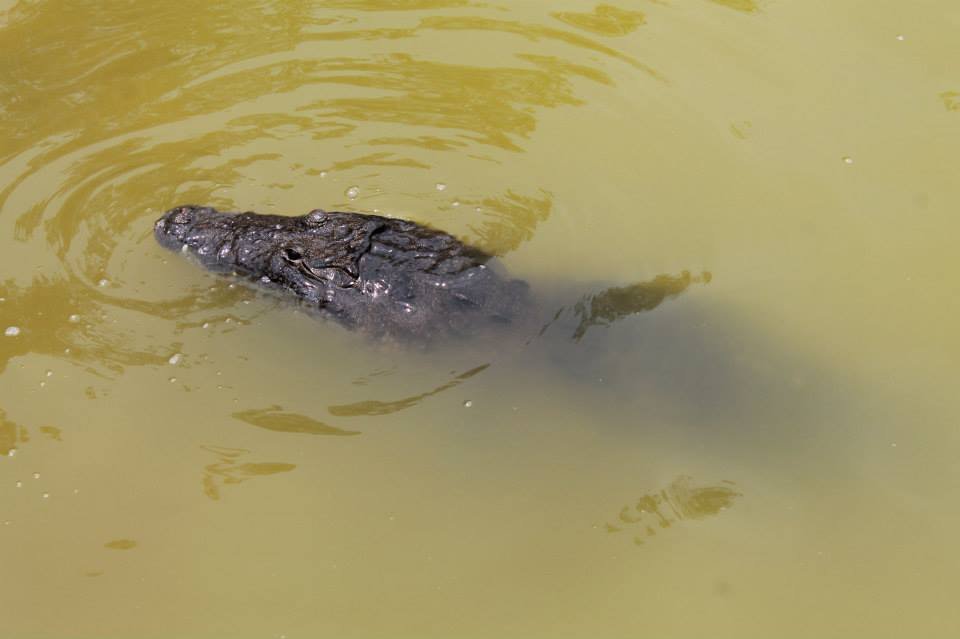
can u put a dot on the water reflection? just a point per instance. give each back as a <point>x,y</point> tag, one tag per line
<point>229,471</point>
<point>121,544</point>
<point>193,110</point>
<point>395,5</point>
<point>679,501</point>
<point>746,6</point>
<point>52,432</point>
<point>10,434</point>
<point>68,319</point>
<point>376,407</point>
<point>276,419</point>
<point>509,221</point>
<point>951,100</point>
<point>605,20</point>
<point>536,32</point>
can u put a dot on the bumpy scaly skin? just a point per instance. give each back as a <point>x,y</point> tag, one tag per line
<point>387,276</point>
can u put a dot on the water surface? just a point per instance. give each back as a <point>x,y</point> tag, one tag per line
<point>766,447</point>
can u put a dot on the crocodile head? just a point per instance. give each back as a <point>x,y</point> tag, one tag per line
<point>388,275</point>
<point>312,256</point>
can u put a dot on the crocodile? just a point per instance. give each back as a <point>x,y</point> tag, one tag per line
<point>388,277</point>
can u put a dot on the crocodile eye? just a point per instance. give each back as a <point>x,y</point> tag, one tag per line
<point>292,255</point>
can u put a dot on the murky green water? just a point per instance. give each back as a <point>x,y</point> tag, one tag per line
<point>770,451</point>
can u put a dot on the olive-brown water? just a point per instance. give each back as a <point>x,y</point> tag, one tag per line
<point>769,451</point>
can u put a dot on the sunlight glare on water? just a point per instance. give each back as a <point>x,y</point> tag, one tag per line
<point>736,416</point>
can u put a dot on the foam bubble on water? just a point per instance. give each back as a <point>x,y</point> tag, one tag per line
<point>265,279</point>
<point>441,186</point>
<point>323,174</point>
<point>49,373</point>
<point>11,452</point>
<point>19,484</point>
<point>175,359</point>
<point>184,248</point>
<point>901,37</point>
<point>206,325</point>
<point>42,384</point>
<point>12,331</point>
<point>46,495</point>
<point>36,475</point>
<point>172,380</point>
<point>3,299</point>
<point>352,192</point>
<point>467,404</point>
<point>455,203</point>
<point>847,160</point>
<point>477,209</point>
<point>74,318</point>
<point>103,282</point>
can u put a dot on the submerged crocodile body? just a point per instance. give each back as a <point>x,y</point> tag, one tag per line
<point>389,277</point>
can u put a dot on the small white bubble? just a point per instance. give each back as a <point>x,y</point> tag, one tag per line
<point>42,384</point>
<point>172,380</point>
<point>66,351</point>
<point>352,192</point>
<point>175,359</point>
<point>46,495</point>
<point>103,282</point>
<point>3,299</point>
<point>231,286</point>
<point>229,320</point>
<point>477,209</point>
<point>265,279</point>
<point>11,452</point>
<point>76,491</point>
<point>467,404</point>
<point>49,373</point>
<point>847,160</point>
<point>184,248</point>
<point>455,203</point>
<point>36,475</point>
<point>441,186</point>
<point>206,325</point>
<point>19,484</point>
<point>219,372</point>
<point>901,37</point>
<point>323,174</point>
<point>12,331</point>
<point>74,318</point>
